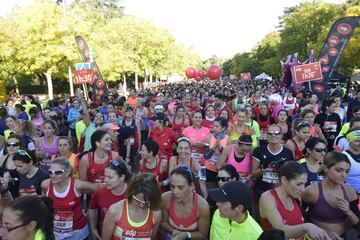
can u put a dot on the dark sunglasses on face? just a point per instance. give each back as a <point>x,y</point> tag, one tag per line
<point>16,144</point>
<point>274,133</point>
<point>56,172</point>
<point>223,179</point>
<point>319,150</point>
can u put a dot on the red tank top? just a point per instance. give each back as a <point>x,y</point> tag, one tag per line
<point>263,125</point>
<point>178,128</point>
<point>68,213</point>
<point>95,172</point>
<point>290,218</point>
<point>189,223</point>
<point>156,171</point>
<point>125,231</point>
<point>298,153</point>
<point>191,161</point>
<point>207,123</point>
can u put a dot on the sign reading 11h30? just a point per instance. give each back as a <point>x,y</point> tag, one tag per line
<point>83,73</point>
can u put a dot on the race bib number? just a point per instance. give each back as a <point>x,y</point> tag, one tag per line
<point>330,126</point>
<point>270,176</point>
<point>63,221</point>
<point>262,135</point>
<point>197,155</point>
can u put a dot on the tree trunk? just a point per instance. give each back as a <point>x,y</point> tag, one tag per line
<point>125,85</point>
<point>136,82</point>
<point>151,79</point>
<point>49,82</point>
<point>16,86</point>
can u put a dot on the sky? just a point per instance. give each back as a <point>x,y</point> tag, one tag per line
<point>209,27</point>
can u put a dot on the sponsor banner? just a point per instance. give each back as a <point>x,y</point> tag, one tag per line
<point>245,76</point>
<point>307,72</point>
<point>87,57</point>
<point>332,50</point>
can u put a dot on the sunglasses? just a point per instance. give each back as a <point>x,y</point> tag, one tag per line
<point>16,144</point>
<point>114,163</point>
<point>56,172</point>
<point>146,203</point>
<point>9,229</point>
<point>187,169</point>
<point>223,179</point>
<point>319,150</point>
<point>183,139</point>
<point>274,133</point>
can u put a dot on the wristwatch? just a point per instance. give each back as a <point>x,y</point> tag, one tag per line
<point>188,235</point>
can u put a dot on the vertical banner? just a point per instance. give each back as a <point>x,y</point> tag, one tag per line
<point>99,83</point>
<point>332,50</point>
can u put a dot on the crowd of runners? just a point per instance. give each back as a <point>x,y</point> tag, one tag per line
<point>225,159</point>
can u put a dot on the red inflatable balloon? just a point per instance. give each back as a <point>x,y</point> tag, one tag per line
<point>198,78</point>
<point>214,72</point>
<point>201,73</point>
<point>190,72</point>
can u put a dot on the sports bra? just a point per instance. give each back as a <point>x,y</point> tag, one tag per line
<point>189,223</point>
<point>322,211</point>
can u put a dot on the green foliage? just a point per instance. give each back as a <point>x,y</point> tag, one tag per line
<point>38,41</point>
<point>301,28</point>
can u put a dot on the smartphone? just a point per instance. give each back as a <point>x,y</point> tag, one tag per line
<point>202,173</point>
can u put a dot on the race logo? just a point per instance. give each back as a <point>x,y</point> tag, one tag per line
<point>324,59</point>
<point>333,52</point>
<point>325,69</point>
<point>333,41</point>
<point>100,83</point>
<point>318,88</point>
<point>344,28</point>
<point>130,233</point>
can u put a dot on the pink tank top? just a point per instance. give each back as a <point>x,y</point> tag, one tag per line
<point>244,166</point>
<point>52,149</point>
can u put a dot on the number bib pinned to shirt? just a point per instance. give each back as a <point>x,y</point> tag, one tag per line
<point>63,220</point>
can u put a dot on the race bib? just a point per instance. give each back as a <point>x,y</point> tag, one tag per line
<point>63,221</point>
<point>262,135</point>
<point>270,176</point>
<point>197,155</point>
<point>330,126</point>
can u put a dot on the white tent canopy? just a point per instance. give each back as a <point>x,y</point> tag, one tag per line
<point>263,76</point>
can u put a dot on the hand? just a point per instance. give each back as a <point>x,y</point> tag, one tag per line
<point>178,235</point>
<point>343,205</point>
<point>5,180</point>
<point>78,93</point>
<point>334,236</point>
<point>96,235</point>
<point>315,232</point>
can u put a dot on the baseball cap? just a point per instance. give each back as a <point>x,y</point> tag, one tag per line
<point>234,192</point>
<point>245,139</point>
